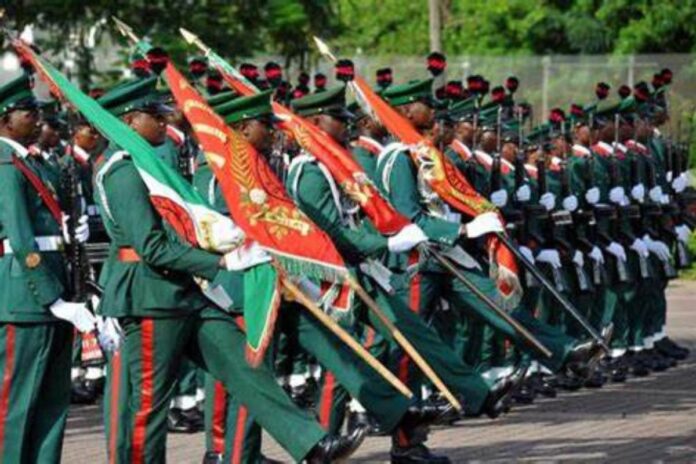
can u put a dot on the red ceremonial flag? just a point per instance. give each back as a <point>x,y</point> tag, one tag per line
<point>445,180</point>
<point>350,176</point>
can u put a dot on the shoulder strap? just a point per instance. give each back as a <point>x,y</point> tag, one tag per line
<point>47,196</point>
<point>99,179</point>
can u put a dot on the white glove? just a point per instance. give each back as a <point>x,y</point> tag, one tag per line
<point>407,238</point>
<point>550,257</point>
<point>655,194</point>
<point>225,235</point>
<point>482,224</point>
<point>683,233</point>
<point>679,184</point>
<point>665,199</point>
<point>81,229</point>
<point>669,176</point>
<point>245,257</point>
<point>523,193</point>
<point>617,195</point>
<point>75,313</point>
<point>640,247</point>
<point>570,203</point>
<point>499,198</point>
<point>110,334</point>
<point>548,201</point>
<point>527,253</point>
<point>592,195</point>
<point>578,258</point>
<point>658,248</point>
<point>617,250</point>
<point>638,192</point>
<point>596,255</point>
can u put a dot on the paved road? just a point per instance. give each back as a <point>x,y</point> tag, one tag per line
<point>645,420</point>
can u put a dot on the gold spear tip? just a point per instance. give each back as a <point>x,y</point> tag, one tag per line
<point>189,36</point>
<point>125,29</point>
<point>324,49</point>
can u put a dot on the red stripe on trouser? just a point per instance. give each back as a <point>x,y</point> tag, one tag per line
<point>113,408</point>
<point>414,302</point>
<point>219,413</point>
<point>238,444</point>
<point>6,382</point>
<point>147,329</point>
<point>327,397</point>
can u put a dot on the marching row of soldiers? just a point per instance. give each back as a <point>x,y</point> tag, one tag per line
<point>597,198</point>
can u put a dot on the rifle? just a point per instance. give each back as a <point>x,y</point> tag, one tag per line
<point>615,181</point>
<point>564,219</point>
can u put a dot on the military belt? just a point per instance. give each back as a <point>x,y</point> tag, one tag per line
<point>45,243</point>
<point>128,255</point>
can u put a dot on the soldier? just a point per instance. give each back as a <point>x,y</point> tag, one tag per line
<point>35,338</point>
<point>150,291</point>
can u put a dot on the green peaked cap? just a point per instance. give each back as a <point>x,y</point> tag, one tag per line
<point>221,98</point>
<point>137,94</point>
<point>331,101</point>
<point>402,94</point>
<point>240,109</point>
<point>17,94</point>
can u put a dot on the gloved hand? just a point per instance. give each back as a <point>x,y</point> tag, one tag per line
<point>669,175</point>
<point>407,238</point>
<point>523,193</point>
<point>245,257</point>
<point>81,229</point>
<point>617,195</point>
<point>110,334</point>
<point>665,199</point>
<point>596,255</point>
<point>578,259</point>
<point>482,224</point>
<point>592,195</point>
<point>638,192</point>
<point>75,313</point>
<point>640,247</point>
<point>679,184</point>
<point>570,203</point>
<point>499,198</point>
<point>683,233</point>
<point>617,250</point>
<point>655,194</point>
<point>658,248</point>
<point>225,236</point>
<point>527,253</point>
<point>550,257</point>
<point>548,201</point>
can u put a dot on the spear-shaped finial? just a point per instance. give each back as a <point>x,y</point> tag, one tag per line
<point>324,49</point>
<point>125,29</point>
<point>193,39</point>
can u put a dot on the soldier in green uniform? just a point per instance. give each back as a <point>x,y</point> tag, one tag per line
<point>35,339</point>
<point>400,181</point>
<point>150,291</point>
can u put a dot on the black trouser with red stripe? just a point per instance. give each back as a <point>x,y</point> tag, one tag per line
<point>35,390</point>
<point>152,352</point>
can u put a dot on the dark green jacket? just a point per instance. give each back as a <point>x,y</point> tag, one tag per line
<point>27,291</point>
<point>161,283</point>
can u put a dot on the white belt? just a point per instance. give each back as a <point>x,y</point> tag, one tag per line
<point>92,210</point>
<point>48,243</point>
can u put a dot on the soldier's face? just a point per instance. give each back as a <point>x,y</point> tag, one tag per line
<point>420,115</point>
<point>583,135</point>
<point>87,138</point>
<point>151,127</point>
<point>509,151</point>
<point>23,125</point>
<point>464,132</point>
<point>332,126</point>
<point>489,141</point>
<point>258,134</point>
<point>49,137</point>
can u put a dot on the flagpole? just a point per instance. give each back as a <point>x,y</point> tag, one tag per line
<point>404,343</point>
<point>341,333</point>
<point>519,328</point>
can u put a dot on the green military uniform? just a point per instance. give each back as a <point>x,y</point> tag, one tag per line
<point>398,179</point>
<point>149,289</point>
<point>314,192</point>
<point>35,347</point>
